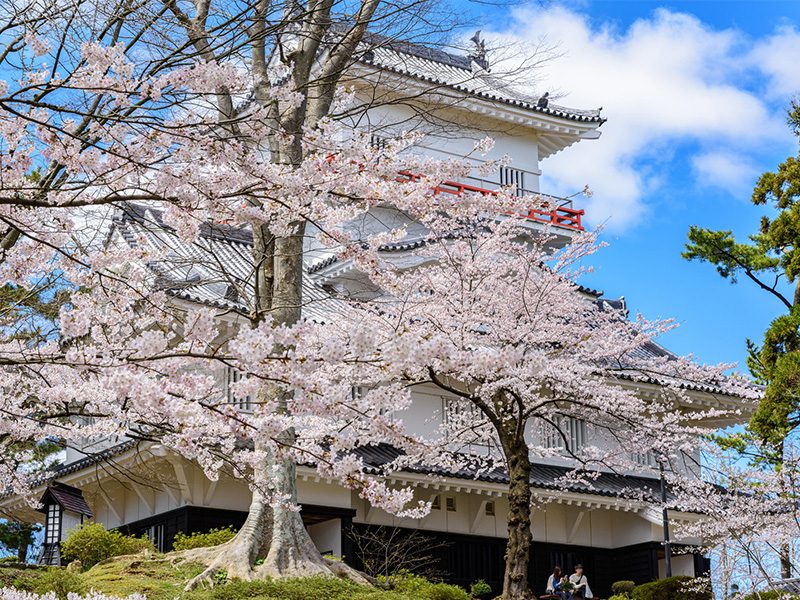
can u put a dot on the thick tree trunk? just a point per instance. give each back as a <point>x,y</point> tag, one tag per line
<point>22,552</point>
<point>786,561</point>
<point>515,580</point>
<point>292,553</point>
<point>273,532</point>
<point>237,556</point>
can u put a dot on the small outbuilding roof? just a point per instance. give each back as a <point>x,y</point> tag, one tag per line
<point>67,497</point>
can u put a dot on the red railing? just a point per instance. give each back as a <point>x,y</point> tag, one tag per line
<point>547,212</point>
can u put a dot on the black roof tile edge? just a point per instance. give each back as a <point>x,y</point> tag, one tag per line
<point>560,112</point>
<point>77,465</point>
<point>377,455</point>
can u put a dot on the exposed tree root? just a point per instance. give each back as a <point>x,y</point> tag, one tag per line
<point>291,561</point>
<point>345,571</point>
<point>273,542</point>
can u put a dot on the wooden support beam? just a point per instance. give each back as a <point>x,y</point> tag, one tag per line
<point>183,479</point>
<point>575,526</point>
<point>371,511</point>
<point>476,518</point>
<point>431,499</point>
<point>112,506</point>
<point>146,495</point>
<point>212,487</point>
<point>171,493</point>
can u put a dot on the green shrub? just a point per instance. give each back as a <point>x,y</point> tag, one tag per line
<point>60,581</point>
<point>770,595</point>
<point>212,537</point>
<point>623,588</point>
<point>308,588</point>
<point>480,589</point>
<point>91,543</point>
<point>673,588</point>
<point>419,587</point>
<point>620,597</point>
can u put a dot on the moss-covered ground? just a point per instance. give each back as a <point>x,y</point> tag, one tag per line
<point>160,577</point>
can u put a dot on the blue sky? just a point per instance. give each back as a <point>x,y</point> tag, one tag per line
<point>695,95</point>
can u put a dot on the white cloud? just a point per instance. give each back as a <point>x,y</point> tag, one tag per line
<point>669,83</point>
<point>777,57</point>
<point>726,170</point>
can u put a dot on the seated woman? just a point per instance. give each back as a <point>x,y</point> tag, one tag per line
<point>554,583</point>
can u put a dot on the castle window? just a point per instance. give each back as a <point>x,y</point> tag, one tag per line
<point>450,503</point>
<point>468,426</point>
<point>569,434</point>
<point>513,178</point>
<point>378,142</point>
<point>644,459</point>
<point>244,403</point>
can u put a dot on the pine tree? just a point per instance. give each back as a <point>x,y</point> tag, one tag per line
<point>770,259</point>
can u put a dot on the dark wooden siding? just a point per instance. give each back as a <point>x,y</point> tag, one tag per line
<point>191,519</point>
<point>460,559</point>
<point>463,559</point>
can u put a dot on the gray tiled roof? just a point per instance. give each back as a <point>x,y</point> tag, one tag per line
<point>543,476</point>
<point>403,246</point>
<point>414,244</point>
<point>206,271</point>
<point>216,270</point>
<point>78,465</point>
<point>460,73</point>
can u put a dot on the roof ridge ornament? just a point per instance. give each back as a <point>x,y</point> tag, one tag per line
<point>543,100</point>
<point>478,54</point>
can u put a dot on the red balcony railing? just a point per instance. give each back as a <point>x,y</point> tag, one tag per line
<point>552,210</point>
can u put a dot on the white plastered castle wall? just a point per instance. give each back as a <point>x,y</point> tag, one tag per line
<point>451,142</point>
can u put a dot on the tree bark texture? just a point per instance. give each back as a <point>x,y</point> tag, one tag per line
<point>520,538</point>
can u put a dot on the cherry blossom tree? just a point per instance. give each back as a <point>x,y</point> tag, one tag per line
<point>104,103</point>
<point>491,314</point>
<point>111,311</point>
<point>746,515</point>
<point>488,312</point>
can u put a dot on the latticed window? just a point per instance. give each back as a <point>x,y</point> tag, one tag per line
<point>644,459</point>
<point>461,412</point>
<point>378,142</point>
<point>569,434</point>
<point>514,178</point>
<point>461,416</point>
<point>53,526</point>
<point>241,402</point>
